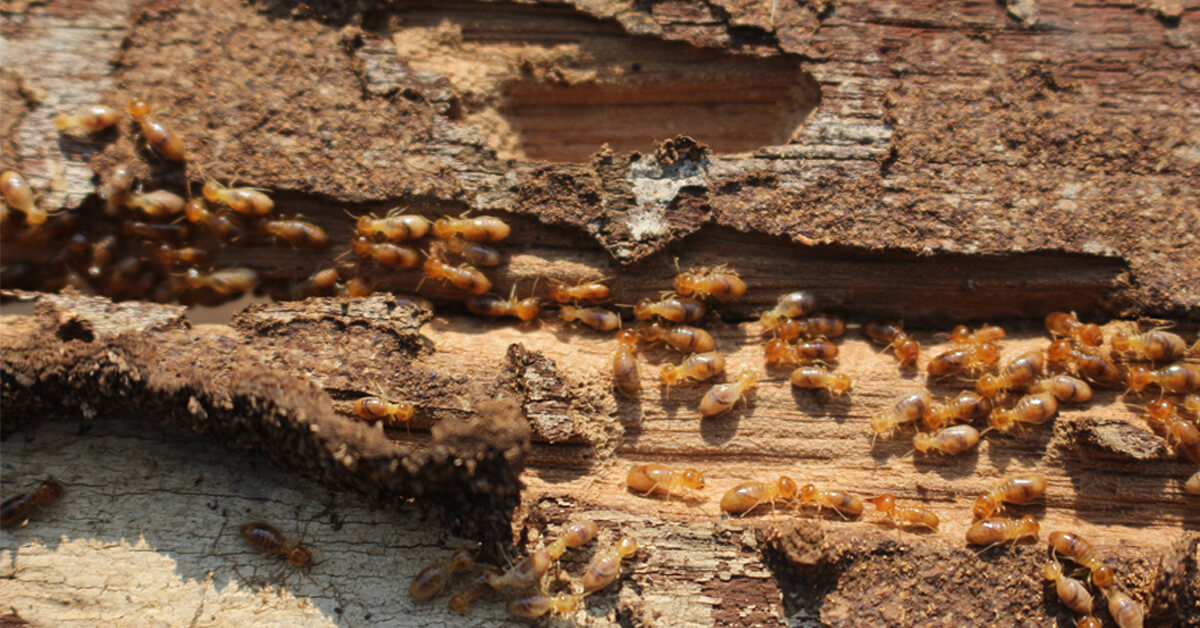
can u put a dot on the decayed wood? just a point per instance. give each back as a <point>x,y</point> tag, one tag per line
<point>1029,152</point>
<point>1125,496</point>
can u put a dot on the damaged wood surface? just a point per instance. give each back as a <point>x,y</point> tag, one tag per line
<point>936,163</point>
<point>1111,478</point>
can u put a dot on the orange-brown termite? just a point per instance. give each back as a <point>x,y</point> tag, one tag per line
<point>222,226</point>
<point>812,326</point>
<point>605,566</point>
<point>1031,409</point>
<point>224,281</point>
<point>1083,363</point>
<point>388,254</point>
<point>185,256</point>
<point>1063,387</point>
<point>479,588</point>
<point>525,574</point>
<point>841,503</point>
<point>597,318</point>
<point>573,535</point>
<point>1068,326</point>
<point>745,497</point>
<point>1070,591</point>
<point>720,398</point>
<point>1020,489</point>
<point>964,407</point>
<point>1019,371</point>
<point>474,253</point>
<point>997,530</point>
<point>298,233</point>
<point>18,508</point>
<point>973,358</point>
<point>1181,433</point>
<point>903,514</point>
<point>718,283</point>
<point>951,441</point>
<point>434,577</point>
<point>534,604</point>
<point>1191,403</point>
<point>87,120</point>
<point>1124,610</point>
<point>493,306</point>
<point>564,293</point>
<point>159,136</point>
<point>648,478</point>
<point>833,382</point>
<point>791,305</point>
<point>626,377</point>
<point>906,349</point>
<point>19,195</point>
<point>395,227</point>
<point>679,337</point>
<point>672,308</point>
<point>1154,346</point>
<point>359,287</point>
<point>988,333</point>
<point>378,408</point>
<point>780,352</point>
<point>1180,377</point>
<point>477,229</point>
<point>158,203</point>
<point>907,409</point>
<point>266,539</point>
<point>247,201</point>
<point>1081,552</point>
<point>463,277</point>
<point>696,367</point>
<point>115,189</point>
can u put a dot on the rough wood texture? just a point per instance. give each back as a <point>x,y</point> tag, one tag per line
<point>936,162</point>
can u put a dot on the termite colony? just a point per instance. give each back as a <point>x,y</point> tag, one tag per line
<point>160,244</point>
<point>165,241</point>
<point>527,578</point>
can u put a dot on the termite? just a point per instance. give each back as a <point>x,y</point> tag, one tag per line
<point>87,120</point>
<point>996,530</point>
<point>1154,346</point>
<point>1081,552</point>
<point>696,367</point>
<point>18,508</point>
<point>564,293</point>
<point>597,318</point>
<point>679,337</point>
<point>463,277</point>
<point>1070,591</point>
<point>906,349</point>
<point>1030,410</point>
<point>904,514</point>
<point>1068,326</point>
<point>626,377</point>
<point>951,441</point>
<point>648,478</point>
<point>266,539</point>
<point>745,497</point>
<point>434,577</point>
<point>159,136</point>
<point>1019,371</point>
<point>720,398</point>
<point>835,383</point>
<point>842,503</point>
<point>719,283</point>
<point>247,201</point>
<point>478,229</point>
<point>791,305</point>
<point>1020,489</point>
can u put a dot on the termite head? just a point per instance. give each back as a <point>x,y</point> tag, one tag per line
<point>299,557</point>
<point>693,479</point>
